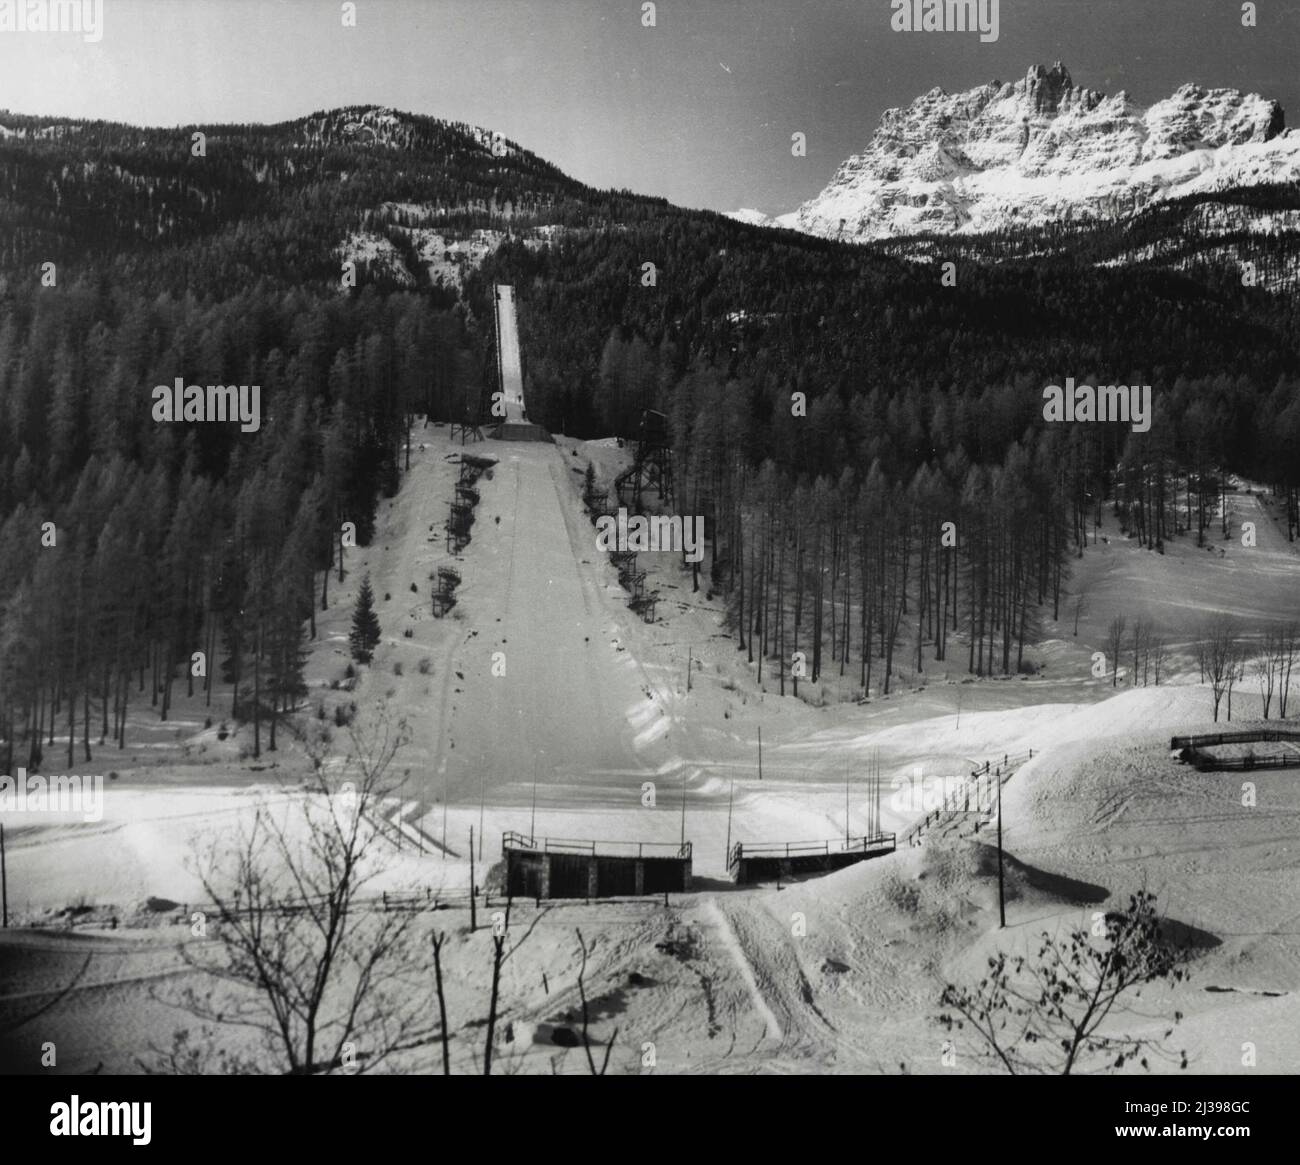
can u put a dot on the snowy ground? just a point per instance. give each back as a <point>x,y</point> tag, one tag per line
<point>541,686</point>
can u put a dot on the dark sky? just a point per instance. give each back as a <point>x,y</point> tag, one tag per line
<point>699,109</point>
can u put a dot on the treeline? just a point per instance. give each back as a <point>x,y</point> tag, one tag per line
<point>131,544</point>
<point>893,364</point>
<point>869,577</point>
<point>1162,234</point>
<point>838,576</point>
<point>865,575</point>
<point>851,565</point>
<point>1164,481</point>
<point>844,557</point>
<point>832,407</point>
<point>867,403</point>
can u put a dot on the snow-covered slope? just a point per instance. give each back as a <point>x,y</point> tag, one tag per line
<point>753,217</point>
<point>1044,150</point>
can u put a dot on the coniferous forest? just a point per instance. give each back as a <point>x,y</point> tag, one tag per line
<point>865,442</point>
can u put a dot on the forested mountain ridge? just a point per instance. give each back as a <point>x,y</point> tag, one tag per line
<point>131,258</point>
<point>128,259</point>
<point>834,409</point>
<point>267,200</point>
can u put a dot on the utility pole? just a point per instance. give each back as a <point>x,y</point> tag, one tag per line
<point>473,913</point>
<point>532,821</point>
<point>760,752</point>
<point>683,806</point>
<point>871,803</point>
<point>873,825</point>
<point>875,792</point>
<point>688,669</point>
<point>731,797</point>
<point>846,806</point>
<point>1002,901</point>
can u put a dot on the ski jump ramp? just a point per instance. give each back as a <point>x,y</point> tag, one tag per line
<point>509,365</point>
<point>510,372</point>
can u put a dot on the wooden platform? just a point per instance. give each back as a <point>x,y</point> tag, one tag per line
<point>521,431</point>
<point>768,860</point>
<point>548,867</point>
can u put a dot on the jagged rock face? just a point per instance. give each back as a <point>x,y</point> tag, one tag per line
<point>1042,150</point>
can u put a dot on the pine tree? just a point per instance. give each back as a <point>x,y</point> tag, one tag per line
<point>365,625</point>
<point>287,659</point>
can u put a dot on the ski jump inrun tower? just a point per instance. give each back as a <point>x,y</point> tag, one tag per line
<point>510,372</point>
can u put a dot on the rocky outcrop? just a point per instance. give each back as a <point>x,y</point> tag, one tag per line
<point>1040,150</point>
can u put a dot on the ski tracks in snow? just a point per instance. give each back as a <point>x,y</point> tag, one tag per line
<point>727,937</point>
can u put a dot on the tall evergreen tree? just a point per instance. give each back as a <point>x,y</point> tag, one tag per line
<point>365,625</point>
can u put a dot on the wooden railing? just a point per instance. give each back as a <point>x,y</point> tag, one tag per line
<point>800,849</point>
<point>514,840</point>
<point>425,899</point>
<point>386,900</point>
<point>958,800</point>
<point>1245,736</point>
<point>1245,764</point>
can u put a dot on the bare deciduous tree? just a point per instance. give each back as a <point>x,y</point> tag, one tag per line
<point>324,981</point>
<point>1219,652</point>
<point>445,1035</point>
<point>1114,645</point>
<point>582,993</point>
<point>1159,655</point>
<point>498,954</point>
<point>1288,640</point>
<point>1053,1014</point>
<point>1264,667</point>
<point>1140,640</point>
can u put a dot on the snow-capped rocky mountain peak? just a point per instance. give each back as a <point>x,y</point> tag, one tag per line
<point>1042,149</point>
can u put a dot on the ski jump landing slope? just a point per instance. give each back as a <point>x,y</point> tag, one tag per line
<point>543,684</point>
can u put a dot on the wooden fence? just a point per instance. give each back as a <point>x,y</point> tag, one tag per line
<point>643,849</point>
<point>957,802</point>
<point>1190,749</point>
